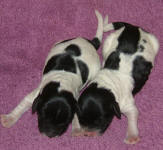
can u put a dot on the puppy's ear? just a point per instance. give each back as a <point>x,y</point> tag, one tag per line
<point>116,110</point>
<point>35,103</point>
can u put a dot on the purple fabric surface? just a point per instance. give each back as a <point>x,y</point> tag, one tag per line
<point>29,28</point>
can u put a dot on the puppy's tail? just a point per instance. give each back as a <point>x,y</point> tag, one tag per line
<point>114,26</point>
<point>99,33</point>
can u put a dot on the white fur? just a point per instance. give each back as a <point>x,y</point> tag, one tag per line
<point>151,47</point>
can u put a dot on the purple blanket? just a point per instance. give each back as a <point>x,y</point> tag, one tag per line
<point>29,28</point>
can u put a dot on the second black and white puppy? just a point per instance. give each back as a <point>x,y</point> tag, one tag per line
<point>128,57</point>
<point>69,66</point>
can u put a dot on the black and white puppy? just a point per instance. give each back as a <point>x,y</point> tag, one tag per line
<point>69,66</point>
<point>128,57</point>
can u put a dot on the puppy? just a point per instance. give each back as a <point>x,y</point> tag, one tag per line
<point>128,57</point>
<point>69,66</point>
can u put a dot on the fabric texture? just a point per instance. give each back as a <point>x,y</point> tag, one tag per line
<point>29,28</point>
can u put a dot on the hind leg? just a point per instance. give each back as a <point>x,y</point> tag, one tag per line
<point>132,136</point>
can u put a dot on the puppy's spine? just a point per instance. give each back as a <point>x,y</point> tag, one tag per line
<point>99,33</point>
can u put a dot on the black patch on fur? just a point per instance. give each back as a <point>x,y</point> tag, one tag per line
<point>73,50</point>
<point>95,42</point>
<point>141,48</point>
<point>55,110</point>
<point>83,70</point>
<point>112,61</point>
<point>140,73</point>
<point>60,62</point>
<point>144,41</point>
<point>128,40</point>
<point>97,107</point>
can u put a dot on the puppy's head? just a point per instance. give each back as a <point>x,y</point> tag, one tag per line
<point>55,110</point>
<point>96,109</point>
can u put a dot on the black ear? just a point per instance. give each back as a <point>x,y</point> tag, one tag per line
<point>35,104</point>
<point>116,110</point>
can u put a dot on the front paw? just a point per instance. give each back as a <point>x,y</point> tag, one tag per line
<point>132,139</point>
<point>7,120</point>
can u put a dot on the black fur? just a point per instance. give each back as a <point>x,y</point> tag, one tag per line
<point>141,48</point>
<point>97,107</point>
<point>112,61</point>
<point>140,73</point>
<point>73,50</point>
<point>128,40</point>
<point>95,42</point>
<point>144,41</point>
<point>83,70</point>
<point>61,62</point>
<point>55,110</point>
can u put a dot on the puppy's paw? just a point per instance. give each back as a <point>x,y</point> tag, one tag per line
<point>7,120</point>
<point>77,132</point>
<point>132,139</point>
